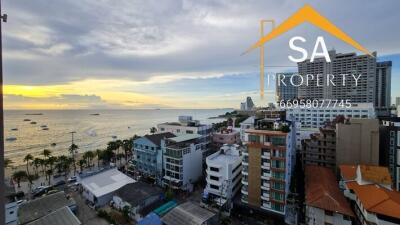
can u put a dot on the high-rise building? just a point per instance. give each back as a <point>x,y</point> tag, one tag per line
<point>373,85</point>
<point>383,84</point>
<point>357,142</point>
<point>285,90</point>
<point>389,144</point>
<point>247,105</point>
<point>397,101</point>
<point>268,161</point>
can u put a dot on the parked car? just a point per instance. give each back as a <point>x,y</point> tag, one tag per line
<point>72,179</point>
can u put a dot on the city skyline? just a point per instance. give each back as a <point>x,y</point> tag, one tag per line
<point>163,55</point>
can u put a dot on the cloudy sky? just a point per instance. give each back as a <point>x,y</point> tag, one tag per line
<point>154,54</point>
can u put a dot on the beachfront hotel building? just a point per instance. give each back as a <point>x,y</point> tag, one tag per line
<point>186,125</point>
<point>148,160</point>
<point>268,161</point>
<point>224,173</point>
<point>389,148</point>
<point>318,116</point>
<point>182,159</point>
<point>369,188</point>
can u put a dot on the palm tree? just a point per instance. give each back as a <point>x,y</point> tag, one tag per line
<point>88,157</point>
<point>7,162</point>
<point>119,144</point>
<point>98,155</point>
<point>127,145</point>
<point>72,149</point>
<point>112,146</point>
<point>46,153</point>
<point>28,158</point>
<point>81,163</point>
<point>153,130</point>
<point>18,176</point>
<point>36,163</point>
<point>49,173</point>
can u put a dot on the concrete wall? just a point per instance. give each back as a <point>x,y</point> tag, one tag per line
<point>358,142</point>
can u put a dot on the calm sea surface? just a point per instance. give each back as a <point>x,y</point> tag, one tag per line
<point>92,131</point>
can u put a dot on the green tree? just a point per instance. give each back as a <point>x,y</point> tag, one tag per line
<point>46,153</point>
<point>153,130</point>
<point>72,150</point>
<point>36,164</point>
<point>27,159</point>
<point>98,156</point>
<point>88,157</point>
<point>81,163</point>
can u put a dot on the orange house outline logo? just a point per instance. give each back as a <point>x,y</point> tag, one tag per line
<point>306,14</point>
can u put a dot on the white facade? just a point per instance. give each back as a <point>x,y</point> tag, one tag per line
<point>303,133</point>
<point>317,216</point>
<point>187,125</point>
<point>247,124</point>
<point>182,161</point>
<point>224,173</point>
<point>11,213</point>
<point>316,117</point>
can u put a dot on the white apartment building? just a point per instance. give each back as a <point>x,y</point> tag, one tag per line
<point>316,117</point>
<point>224,174</point>
<point>182,160</point>
<point>186,125</point>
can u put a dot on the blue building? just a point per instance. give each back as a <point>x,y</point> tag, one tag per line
<point>149,155</point>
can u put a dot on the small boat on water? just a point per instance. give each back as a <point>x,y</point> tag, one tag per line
<point>11,139</point>
<point>53,144</point>
<point>114,136</point>
<point>14,129</point>
<point>27,120</point>
<point>95,114</point>
<point>33,122</point>
<point>45,128</point>
<point>34,114</point>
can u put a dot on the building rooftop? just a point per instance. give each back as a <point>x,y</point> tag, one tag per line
<point>105,182</point>
<point>63,216</point>
<point>322,191</point>
<point>227,154</point>
<point>156,138</point>
<point>37,208</point>
<point>377,199</point>
<point>376,174</point>
<point>348,172</point>
<point>268,132</point>
<point>187,213</point>
<point>184,137</point>
<point>137,192</point>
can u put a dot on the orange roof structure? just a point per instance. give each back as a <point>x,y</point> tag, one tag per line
<point>377,199</point>
<point>349,172</point>
<point>322,191</point>
<point>376,174</point>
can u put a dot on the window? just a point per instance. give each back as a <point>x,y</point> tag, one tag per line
<point>329,213</point>
<point>189,132</point>
<point>162,129</point>
<point>214,169</point>
<point>214,178</point>
<point>214,186</point>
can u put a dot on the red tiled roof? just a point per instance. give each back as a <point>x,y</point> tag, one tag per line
<point>322,191</point>
<point>377,199</point>
<point>376,174</point>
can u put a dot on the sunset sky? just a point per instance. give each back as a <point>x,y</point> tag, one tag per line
<point>68,54</point>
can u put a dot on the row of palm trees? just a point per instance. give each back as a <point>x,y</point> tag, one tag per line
<point>46,164</point>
